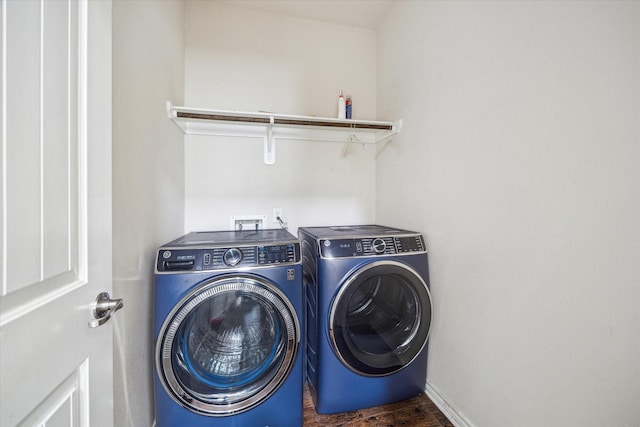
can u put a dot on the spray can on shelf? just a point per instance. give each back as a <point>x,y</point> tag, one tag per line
<point>348,104</point>
<point>341,106</point>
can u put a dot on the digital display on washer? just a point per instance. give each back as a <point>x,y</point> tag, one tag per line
<point>274,254</point>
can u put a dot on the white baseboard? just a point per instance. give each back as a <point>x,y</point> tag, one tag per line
<point>449,410</point>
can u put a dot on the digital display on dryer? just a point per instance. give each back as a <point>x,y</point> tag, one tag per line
<point>409,244</point>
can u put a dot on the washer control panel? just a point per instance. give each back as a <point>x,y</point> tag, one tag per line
<point>203,259</point>
<point>372,246</point>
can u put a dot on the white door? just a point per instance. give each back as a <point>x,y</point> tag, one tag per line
<point>55,213</point>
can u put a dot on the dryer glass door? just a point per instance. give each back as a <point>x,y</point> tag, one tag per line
<point>228,346</point>
<point>380,318</point>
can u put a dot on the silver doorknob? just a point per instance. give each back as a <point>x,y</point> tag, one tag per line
<point>104,309</point>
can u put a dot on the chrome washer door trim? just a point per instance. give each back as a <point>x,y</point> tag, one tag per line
<point>198,402</point>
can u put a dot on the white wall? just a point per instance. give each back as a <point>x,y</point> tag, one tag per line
<point>248,60</point>
<point>520,150</point>
<point>148,184</point>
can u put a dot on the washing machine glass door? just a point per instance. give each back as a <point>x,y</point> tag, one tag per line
<point>228,346</point>
<point>380,318</point>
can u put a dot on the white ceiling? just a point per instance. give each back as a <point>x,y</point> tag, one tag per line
<point>358,13</point>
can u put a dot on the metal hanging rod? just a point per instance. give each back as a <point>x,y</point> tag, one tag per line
<point>282,120</point>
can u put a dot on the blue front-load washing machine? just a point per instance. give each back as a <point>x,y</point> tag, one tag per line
<point>228,316</point>
<point>368,315</point>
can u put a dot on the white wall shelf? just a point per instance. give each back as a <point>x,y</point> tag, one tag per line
<point>271,126</point>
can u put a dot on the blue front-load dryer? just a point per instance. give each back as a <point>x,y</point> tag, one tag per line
<point>368,315</point>
<point>228,317</point>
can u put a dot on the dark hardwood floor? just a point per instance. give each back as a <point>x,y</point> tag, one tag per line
<point>418,411</point>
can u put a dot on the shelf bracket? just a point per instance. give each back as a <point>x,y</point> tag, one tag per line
<point>396,128</point>
<point>270,144</point>
<point>172,115</point>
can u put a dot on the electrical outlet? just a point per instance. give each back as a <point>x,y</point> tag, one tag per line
<point>277,213</point>
<point>247,222</point>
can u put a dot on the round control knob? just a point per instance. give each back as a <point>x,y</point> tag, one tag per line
<point>232,256</point>
<point>378,246</point>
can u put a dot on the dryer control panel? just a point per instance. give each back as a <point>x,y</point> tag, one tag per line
<point>178,260</point>
<point>372,246</point>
